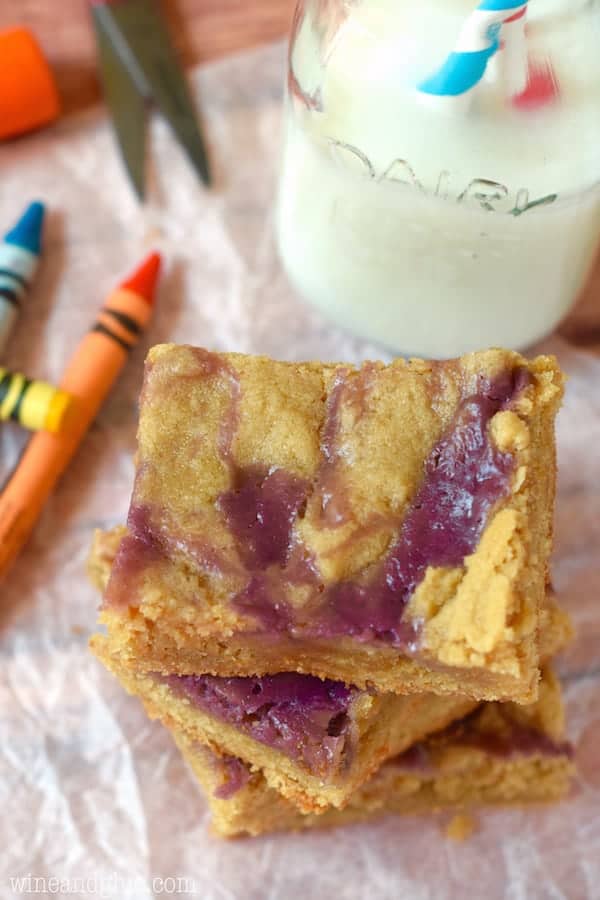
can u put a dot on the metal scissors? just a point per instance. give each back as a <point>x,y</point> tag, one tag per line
<point>138,65</point>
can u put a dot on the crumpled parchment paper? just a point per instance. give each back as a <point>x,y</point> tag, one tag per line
<point>95,799</point>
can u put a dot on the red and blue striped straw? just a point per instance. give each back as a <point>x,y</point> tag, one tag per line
<point>478,42</point>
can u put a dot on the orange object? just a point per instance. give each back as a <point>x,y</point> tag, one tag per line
<point>28,94</point>
<point>88,377</point>
<point>143,280</point>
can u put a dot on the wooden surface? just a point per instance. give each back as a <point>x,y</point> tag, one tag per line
<point>202,30</point>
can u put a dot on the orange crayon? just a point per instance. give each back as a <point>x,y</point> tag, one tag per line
<point>88,378</point>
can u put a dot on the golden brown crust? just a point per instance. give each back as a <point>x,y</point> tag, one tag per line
<point>482,620</point>
<point>460,774</point>
<point>137,644</point>
<point>478,621</point>
<point>555,629</point>
<point>102,555</point>
<point>384,726</point>
<point>387,726</point>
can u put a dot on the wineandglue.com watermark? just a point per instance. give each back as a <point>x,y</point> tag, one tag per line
<point>106,887</point>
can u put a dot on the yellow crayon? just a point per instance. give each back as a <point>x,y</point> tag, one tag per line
<point>35,405</point>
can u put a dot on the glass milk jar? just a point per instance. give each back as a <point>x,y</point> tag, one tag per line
<point>440,188</point>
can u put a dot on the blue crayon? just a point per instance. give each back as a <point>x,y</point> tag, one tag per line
<point>19,258</point>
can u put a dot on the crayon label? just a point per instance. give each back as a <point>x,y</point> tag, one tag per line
<point>18,262</point>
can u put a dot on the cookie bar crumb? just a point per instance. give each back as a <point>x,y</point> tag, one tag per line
<point>460,827</point>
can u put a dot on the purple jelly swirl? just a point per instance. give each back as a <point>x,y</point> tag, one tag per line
<point>260,510</point>
<point>465,475</point>
<point>301,716</point>
<point>464,478</point>
<point>513,740</point>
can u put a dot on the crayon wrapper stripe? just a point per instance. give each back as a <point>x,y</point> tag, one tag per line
<point>130,305</point>
<point>12,285</point>
<point>112,334</point>
<point>123,318</point>
<point>18,260</point>
<point>5,383</point>
<point>12,389</point>
<point>113,326</point>
<point>13,279</point>
<point>10,295</point>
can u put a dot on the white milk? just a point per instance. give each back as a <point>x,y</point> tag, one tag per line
<point>387,220</point>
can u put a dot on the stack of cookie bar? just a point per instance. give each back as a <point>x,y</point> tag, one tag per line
<point>333,583</point>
